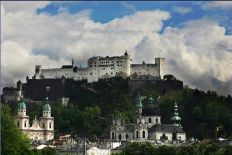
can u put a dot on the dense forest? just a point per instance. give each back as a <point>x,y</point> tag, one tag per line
<point>91,109</point>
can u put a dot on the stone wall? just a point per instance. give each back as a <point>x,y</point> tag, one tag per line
<point>35,89</point>
<point>160,86</point>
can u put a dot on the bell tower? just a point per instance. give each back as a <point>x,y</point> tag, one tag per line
<point>47,121</point>
<point>22,120</point>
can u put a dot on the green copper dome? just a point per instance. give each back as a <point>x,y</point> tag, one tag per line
<point>46,106</point>
<point>22,105</point>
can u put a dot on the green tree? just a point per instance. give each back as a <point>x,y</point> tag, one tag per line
<point>169,77</point>
<point>166,150</point>
<point>49,151</point>
<point>187,150</point>
<point>139,148</point>
<point>197,113</point>
<point>91,123</point>
<point>13,141</point>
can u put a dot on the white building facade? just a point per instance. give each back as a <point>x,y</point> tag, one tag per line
<point>103,67</point>
<point>41,130</point>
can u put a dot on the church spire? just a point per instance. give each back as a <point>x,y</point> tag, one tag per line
<point>138,100</point>
<point>139,105</point>
<point>175,116</point>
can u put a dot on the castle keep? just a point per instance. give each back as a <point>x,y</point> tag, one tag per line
<point>103,67</point>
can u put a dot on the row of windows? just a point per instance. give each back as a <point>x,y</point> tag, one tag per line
<point>105,74</point>
<point>60,75</point>
<point>25,124</point>
<point>106,62</point>
<point>127,136</point>
<point>105,65</point>
<point>156,120</point>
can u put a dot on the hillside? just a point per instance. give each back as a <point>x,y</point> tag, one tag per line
<point>91,108</point>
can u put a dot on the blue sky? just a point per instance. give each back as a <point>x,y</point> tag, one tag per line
<point>104,11</point>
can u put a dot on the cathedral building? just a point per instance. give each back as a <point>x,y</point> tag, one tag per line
<point>147,125</point>
<point>41,130</point>
<point>103,67</point>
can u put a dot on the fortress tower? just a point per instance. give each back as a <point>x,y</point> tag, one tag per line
<point>38,69</point>
<point>161,66</point>
<point>22,119</point>
<point>47,122</point>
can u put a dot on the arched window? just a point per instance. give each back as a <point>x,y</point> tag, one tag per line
<point>144,133</point>
<point>50,125</point>
<point>25,123</point>
<point>18,123</point>
<point>137,134</point>
<point>157,120</point>
<point>43,125</point>
<point>149,120</point>
<point>112,135</point>
<point>119,137</point>
<point>174,136</point>
<point>127,136</point>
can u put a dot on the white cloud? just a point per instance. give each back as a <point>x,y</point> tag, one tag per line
<point>217,4</point>
<point>204,51</point>
<point>20,6</point>
<point>182,10</point>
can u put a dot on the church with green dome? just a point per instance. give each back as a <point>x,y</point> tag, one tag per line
<point>40,130</point>
<point>147,124</point>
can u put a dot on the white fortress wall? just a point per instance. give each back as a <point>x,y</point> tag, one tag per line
<point>57,73</point>
<point>103,67</point>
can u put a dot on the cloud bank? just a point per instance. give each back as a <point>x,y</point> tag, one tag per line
<point>199,53</point>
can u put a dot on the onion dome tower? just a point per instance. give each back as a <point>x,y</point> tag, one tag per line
<point>22,118</point>
<point>175,116</point>
<point>46,109</point>
<point>47,121</point>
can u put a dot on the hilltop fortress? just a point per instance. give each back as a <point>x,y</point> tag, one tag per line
<point>103,67</point>
<point>62,81</point>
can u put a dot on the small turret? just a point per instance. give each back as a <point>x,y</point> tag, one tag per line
<point>175,116</point>
<point>72,62</point>
<point>19,85</point>
<point>126,54</point>
<point>38,69</point>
